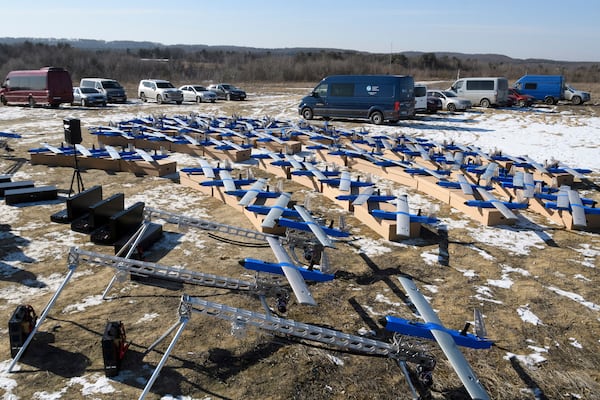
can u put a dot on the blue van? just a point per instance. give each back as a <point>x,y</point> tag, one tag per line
<point>550,89</point>
<point>378,98</point>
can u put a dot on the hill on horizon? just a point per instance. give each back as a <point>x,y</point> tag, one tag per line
<point>95,44</point>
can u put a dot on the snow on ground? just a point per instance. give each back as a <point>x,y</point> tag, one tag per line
<point>575,297</point>
<point>541,133</point>
<point>528,316</point>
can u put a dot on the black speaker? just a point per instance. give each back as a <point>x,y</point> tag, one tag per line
<point>72,130</point>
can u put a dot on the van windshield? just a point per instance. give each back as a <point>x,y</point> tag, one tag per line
<point>111,85</point>
<point>164,85</point>
<point>420,91</point>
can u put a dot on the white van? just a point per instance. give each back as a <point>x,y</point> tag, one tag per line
<point>112,89</point>
<point>420,98</point>
<point>485,92</point>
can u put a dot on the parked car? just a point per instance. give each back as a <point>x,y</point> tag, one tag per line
<point>550,89</point>
<point>518,99</point>
<point>160,91</point>
<point>46,86</point>
<point>433,104</point>
<point>377,98</point>
<point>198,94</point>
<point>87,96</point>
<point>112,89</point>
<point>225,91</point>
<point>450,101</point>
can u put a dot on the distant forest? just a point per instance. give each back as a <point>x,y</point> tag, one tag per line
<point>182,64</point>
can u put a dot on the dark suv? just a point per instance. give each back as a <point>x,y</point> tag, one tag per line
<point>225,91</point>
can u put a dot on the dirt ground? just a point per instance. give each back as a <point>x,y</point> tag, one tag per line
<point>208,362</point>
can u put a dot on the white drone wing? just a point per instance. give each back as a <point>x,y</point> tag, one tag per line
<point>53,149</point>
<point>489,171</point>
<point>191,140</point>
<point>318,174</point>
<point>234,145</point>
<point>446,342</point>
<point>402,216</point>
<point>113,153</point>
<point>145,156</point>
<point>535,164</point>
<point>251,194</point>
<point>207,169</point>
<point>528,185</point>
<point>577,210</point>
<point>295,163</point>
<point>314,227</point>
<point>83,150</point>
<point>345,182</point>
<point>363,196</point>
<point>562,198</point>
<point>518,179</point>
<point>276,210</point>
<point>291,273</point>
<point>465,186</point>
<point>487,196</point>
<point>227,180</point>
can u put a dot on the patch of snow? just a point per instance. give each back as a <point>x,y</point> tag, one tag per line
<point>575,297</point>
<point>89,301</point>
<point>431,288</point>
<point>573,342</point>
<point>372,247</point>
<point>147,317</point>
<point>528,316</point>
<point>529,360</point>
<point>507,238</point>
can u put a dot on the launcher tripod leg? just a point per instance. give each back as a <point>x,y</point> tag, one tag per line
<point>76,175</point>
<point>411,386</point>
<point>132,244</point>
<point>72,268</point>
<point>180,325</point>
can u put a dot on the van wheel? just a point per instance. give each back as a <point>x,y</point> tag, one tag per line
<point>307,113</point>
<point>549,100</point>
<point>576,100</point>
<point>159,99</point>
<point>376,118</point>
<point>198,99</point>
<point>485,103</point>
<point>143,97</point>
<point>31,102</point>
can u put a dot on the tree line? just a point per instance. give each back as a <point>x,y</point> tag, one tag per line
<point>180,64</point>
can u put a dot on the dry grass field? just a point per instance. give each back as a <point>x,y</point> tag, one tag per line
<point>536,284</point>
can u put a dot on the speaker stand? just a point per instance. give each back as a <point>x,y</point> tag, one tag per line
<point>76,175</point>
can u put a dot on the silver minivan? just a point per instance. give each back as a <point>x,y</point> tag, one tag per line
<point>114,92</point>
<point>485,92</point>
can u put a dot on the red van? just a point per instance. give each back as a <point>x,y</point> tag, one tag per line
<point>46,86</point>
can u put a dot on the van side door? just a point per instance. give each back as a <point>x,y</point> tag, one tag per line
<point>321,107</point>
<point>342,103</point>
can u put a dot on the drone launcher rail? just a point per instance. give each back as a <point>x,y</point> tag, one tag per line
<point>204,225</point>
<point>401,351</point>
<point>289,327</point>
<point>144,268</point>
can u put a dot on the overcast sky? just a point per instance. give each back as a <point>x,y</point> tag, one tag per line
<point>559,30</point>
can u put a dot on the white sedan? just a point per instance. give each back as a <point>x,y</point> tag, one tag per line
<point>450,101</point>
<point>198,94</point>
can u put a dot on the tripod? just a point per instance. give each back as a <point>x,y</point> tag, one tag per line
<point>76,175</point>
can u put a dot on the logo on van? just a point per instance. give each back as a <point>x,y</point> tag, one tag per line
<point>372,90</point>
